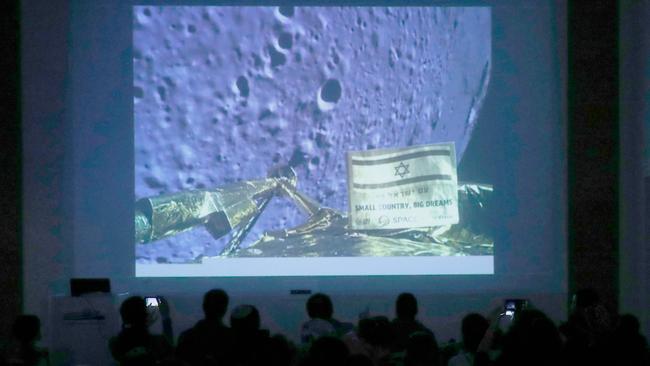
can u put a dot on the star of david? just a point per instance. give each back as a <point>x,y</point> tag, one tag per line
<point>402,170</point>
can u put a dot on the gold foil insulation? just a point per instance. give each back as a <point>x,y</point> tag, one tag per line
<point>219,210</point>
<point>326,232</point>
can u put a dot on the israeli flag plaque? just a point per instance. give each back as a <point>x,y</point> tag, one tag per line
<point>403,188</point>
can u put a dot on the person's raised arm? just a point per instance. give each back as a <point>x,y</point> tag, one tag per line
<point>167,328</point>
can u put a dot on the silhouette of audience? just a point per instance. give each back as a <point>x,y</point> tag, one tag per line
<point>473,329</point>
<point>592,337</point>
<point>279,351</point>
<point>405,324</point>
<point>373,338</point>
<point>421,350</point>
<point>321,323</point>
<point>588,330</point>
<point>21,348</point>
<point>248,341</point>
<point>209,340</point>
<point>533,340</point>
<point>630,347</point>
<point>134,345</point>
<point>326,351</point>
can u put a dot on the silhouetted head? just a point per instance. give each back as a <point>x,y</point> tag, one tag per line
<point>245,319</point>
<point>320,306</point>
<point>377,331</point>
<point>591,313</point>
<point>532,339</point>
<point>585,298</point>
<point>406,306</point>
<point>279,351</point>
<point>26,328</point>
<point>134,312</point>
<point>473,328</point>
<point>215,304</point>
<point>328,351</point>
<point>421,349</point>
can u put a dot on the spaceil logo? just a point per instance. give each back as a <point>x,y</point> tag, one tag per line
<point>403,188</point>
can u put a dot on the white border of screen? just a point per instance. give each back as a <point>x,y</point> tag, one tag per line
<point>324,266</point>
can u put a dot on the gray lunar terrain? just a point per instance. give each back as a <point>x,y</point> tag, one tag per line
<point>222,94</point>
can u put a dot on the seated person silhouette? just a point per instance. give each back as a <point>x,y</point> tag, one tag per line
<point>249,342</point>
<point>421,350</point>
<point>533,339</point>
<point>373,338</point>
<point>473,328</point>
<point>134,345</point>
<point>21,348</point>
<point>321,322</point>
<point>279,351</point>
<point>406,308</point>
<point>209,340</point>
<point>326,351</point>
<point>630,346</point>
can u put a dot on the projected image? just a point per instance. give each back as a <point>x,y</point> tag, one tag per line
<point>308,132</point>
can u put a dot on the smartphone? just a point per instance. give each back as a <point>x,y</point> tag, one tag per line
<point>151,301</point>
<point>512,306</point>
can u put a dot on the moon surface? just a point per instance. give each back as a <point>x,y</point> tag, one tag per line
<point>223,94</point>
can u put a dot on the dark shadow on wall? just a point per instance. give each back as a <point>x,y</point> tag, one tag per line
<point>593,142</point>
<point>10,168</point>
